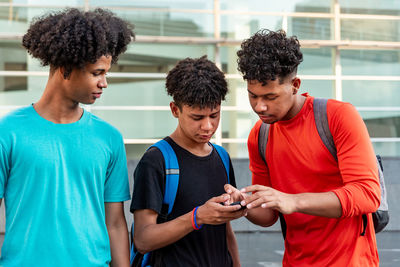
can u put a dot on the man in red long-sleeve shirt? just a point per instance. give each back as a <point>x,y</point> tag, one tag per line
<point>321,199</point>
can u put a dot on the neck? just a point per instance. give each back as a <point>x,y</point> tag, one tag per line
<point>54,107</point>
<point>297,105</point>
<point>198,149</point>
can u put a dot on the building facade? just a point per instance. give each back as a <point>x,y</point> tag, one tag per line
<point>351,52</point>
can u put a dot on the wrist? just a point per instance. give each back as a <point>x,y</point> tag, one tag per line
<point>194,218</point>
<point>298,203</point>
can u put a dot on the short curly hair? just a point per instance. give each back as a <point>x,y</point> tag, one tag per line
<point>197,83</point>
<point>72,38</point>
<point>268,55</point>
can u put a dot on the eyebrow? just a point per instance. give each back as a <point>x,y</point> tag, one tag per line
<point>267,94</point>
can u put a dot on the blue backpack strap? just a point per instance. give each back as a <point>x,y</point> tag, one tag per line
<point>321,121</point>
<point>224,157</point>
<point>171,188</point>
<point>171,172</point>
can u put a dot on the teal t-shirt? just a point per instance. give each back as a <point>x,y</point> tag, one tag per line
<point>55,179</point>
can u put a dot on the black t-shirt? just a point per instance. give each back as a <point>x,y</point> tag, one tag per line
<point>200,179</point>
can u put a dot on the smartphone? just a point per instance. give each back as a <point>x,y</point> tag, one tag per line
<point>238,203</point>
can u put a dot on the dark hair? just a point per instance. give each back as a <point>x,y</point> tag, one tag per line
<point>73,38</point>
<point>268,55</point>
<point>196,83</point>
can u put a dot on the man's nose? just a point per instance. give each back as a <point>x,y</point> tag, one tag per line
<point>103,82</point>
<point>206,124</point>
<point>260,106</point>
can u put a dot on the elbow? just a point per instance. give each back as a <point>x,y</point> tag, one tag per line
<point>141,246</point>
<point>265,220</point>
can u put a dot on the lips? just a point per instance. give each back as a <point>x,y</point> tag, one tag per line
<point>97,95</point>
<point>205,136</point>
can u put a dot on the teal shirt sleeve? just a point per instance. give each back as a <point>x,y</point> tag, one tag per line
<point>116,188</point>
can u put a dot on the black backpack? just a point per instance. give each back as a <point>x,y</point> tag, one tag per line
<point>381,216</point>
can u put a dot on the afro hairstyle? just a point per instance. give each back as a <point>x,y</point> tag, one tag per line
<point>268,55</point>
<point>197,83</point>
<point>73,38</point>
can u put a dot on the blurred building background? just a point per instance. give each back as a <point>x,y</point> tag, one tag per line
<point>351,52</point>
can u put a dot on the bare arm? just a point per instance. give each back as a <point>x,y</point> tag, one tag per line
<point>325,204</point>
<point>148,235</point>
<point>118,234</point>
<point>232,245</point>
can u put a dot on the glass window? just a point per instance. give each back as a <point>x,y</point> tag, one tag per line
<point>168,23</point>
<point>382,124</point>
<point>387,149</point>
<point>237,124</point>
<point>243,26</point>
<point>372,93</point>
<point>158,57</point>
<point>370,30</point>
<point>320,6</point>
<point>177,4</point>
<point>310,28</point>
<point>27,90</point>
<point>370,62</point>
<point>316,61</point>
<point>140,124</point>
<point>134,92</point>
<point>237,151</point>
<point>14,19</point>
<point>384,7</point>
<point>316,88</point>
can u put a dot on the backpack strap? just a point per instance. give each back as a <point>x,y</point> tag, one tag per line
<point>171,172</point>
<point>263,139</point>
<point>224,157</point>
<point>321,121</point>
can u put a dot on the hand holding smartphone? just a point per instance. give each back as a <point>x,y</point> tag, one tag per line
<point>238,203</point>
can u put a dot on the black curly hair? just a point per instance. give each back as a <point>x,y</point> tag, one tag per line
<point>197,83</point>
<point>268,55</point>
<point>72,38</point>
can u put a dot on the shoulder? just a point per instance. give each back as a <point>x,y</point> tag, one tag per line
<point>339,107</point>
<point>102,126</point>
<point>339,111</point>
<point>17,121</point>
<point>16,116</point>
<point>152,158</point>
<point>252,140</point>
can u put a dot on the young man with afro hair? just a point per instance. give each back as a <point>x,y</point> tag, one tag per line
<point>63,171</point>
<point>197,87</point>
<point>322,200</point>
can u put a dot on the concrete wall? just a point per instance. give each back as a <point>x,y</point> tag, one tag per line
<point>243,177</point>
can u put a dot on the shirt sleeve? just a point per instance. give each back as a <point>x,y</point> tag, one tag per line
<point>4,170</point>
<point>258,168</point>
<point>116,188</point>
<point>357,162</point>
<point>149,182</point>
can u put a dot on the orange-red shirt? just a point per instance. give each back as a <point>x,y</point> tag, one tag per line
<point>299,162</point>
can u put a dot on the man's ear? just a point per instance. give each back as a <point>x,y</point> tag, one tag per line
<point>61,71</point>
<point>174,109</point>
<point>296,82</point>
